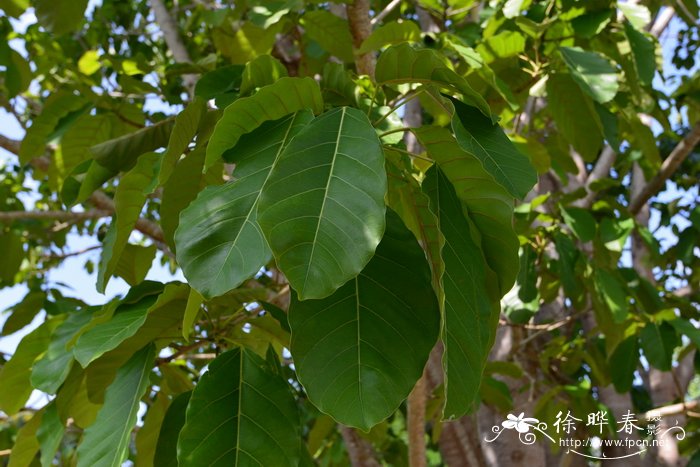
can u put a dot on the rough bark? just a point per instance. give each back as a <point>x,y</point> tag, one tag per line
<point>359,449</point>
<point>416,424</point>
<point>361,28</point>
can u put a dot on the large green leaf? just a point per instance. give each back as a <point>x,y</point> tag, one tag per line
<point>219,243</point>
<point>404,64</point>
<point>147,436</point>
<point>60,16</point>
<point>105,336</point>
<point>51,369</point>
<point>574,115</point>
<point>593,72</point>
<point>135,262</point>
<point>240,413</point>
<point>83,180</point>
<point>391,33</point>
<point>488,204</point>
<point>350,349</point>
<point>480,137</point>
<point>87,131</point>
<point>623,362</point>
<point>644,53</point>
<point>166,447</point>
<point>129,198</point>
<point>23,312</point>
<point>12,253</point>
<point>322,208</point>
<point>58,106</point>
<point>285,96</point>
<point>330,31</point>
<point>469,317</point>
<point>15,384</point>
<point>105,443</point>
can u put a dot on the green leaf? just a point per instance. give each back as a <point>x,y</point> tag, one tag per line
<point>261,71</point>
<point>219,83</point>
<point>135,262</point>
<point>50,434</point>
<point>17,73</point>
<point>486,140</point>
<point>89,62</point>
<point>322,208</point>
<point>638,15</point>
<point>349,349</point>
<point>580,221</point>
<point>623,363</point>
<point>219,243</point>
<point>194,304</point>
<point>574,115</point>
<point>12,253</point>
<point>184,129</point>
<point>503,45</point>
<point>147,436</point>
<point>405,197</point>
<point>592,71</point>
<point>612,294</point>
<point>489,206</point>
<point>129,198</point>
<point>103,337</point>
<point>166,447</point>
<point>105,443</point>
<point>87,131</point>
<point>687,328</point>
<point>26,445</point>
<point>644,53</point>
<point>246,43</point>
<point>51,369</point>
<point>285,96</point>
<point>14,8</point>
<point>527,277</point>
<point>182,188</point>
<point>122,153</point>
<point>83,180</point>
<point>58,106</point>
<point>404,64</point>
<point>24,312</point>
<point>240,413</point>
<point>15,384</point>
<point>469,317</point>
<point>657,342</point>
<point>331,32</point>
<point>391,33</point>
<point>60,16</point>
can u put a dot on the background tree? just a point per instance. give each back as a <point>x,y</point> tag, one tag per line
<point>351,191</point>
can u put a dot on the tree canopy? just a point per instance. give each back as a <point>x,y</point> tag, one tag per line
<point>399,224</point>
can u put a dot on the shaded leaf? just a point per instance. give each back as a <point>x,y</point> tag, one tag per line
<point>327,191</point>
<point>349,348</point>
<point>122,153</point>
<point>285,96</point>
<point>49,434</point>
<point>240,413</point>
<point>105,442</point>
<point>469,316</point>
<point>391,33</point>
<point>184,129</point>
<point>174,420</point>
<point>404,64</point>
<point>26,444</point>
<point>657,342</point>
<point>261,71</point>
<point>592,72</point>
<point>219,243</point>
<point>480,137</point>
<point>60,16</point>
<point>331,32</point>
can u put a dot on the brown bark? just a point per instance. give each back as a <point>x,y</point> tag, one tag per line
<point>359,449</point>
<point>361,28</point>
<point>416,424</point>
<point>173,40</point>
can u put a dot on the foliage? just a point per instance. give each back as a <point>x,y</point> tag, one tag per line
<point>339,246</point>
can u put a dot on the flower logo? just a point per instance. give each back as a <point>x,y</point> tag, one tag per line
<point>521,423</point>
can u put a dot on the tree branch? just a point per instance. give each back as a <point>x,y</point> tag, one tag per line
<point>360,28</point>
<point>11,145</point>
<point>64,216</point>
<point>173,40</point>
<point>673,409</point>
<point>669,166</point>
<point>359,449</point>
<point>385,12</point>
